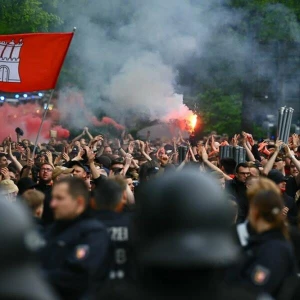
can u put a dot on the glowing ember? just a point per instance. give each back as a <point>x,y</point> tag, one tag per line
<point>193,121</point>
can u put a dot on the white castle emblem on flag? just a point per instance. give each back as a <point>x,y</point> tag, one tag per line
<point>9,61</point>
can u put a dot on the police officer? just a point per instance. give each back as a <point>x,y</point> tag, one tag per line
<point>20,276</point>
<point>77,245</point>
<point>270,264</point>
<point>183,241</point>
<point>109,204</point>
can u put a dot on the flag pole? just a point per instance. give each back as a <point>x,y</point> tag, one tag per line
<point>44,116</point>
<point>40,128</point>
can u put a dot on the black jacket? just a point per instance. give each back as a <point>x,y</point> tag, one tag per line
<point>292,187</point>
<point>76,253</point>
<point>119,227</point>
<point>47,216</point>
<point>269,262</point>
<point>238,190</point>
<point>292,215</point>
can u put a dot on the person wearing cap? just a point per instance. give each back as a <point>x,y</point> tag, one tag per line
<point>269,265</point>
<point>77,245</point>
<point>117,166</point>
<point>8,190</point>
<point>104,161</point>
<point>290,210</point>
<point>60,172</point>
<point>179,230</point>
<point>45,186</point>
<point>80,170</point>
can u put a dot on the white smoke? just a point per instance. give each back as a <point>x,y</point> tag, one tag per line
<point>132,61</point>
<point>129,51</point>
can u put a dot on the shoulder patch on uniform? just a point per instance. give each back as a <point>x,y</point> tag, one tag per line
<point>82,251</point>
<point>260,275</point>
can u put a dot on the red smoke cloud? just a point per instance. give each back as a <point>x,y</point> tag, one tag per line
<point>72,99</point>
<point>28,117</point>
<point>108,121</point>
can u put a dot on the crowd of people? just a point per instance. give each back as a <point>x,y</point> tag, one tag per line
<point>120,218</point>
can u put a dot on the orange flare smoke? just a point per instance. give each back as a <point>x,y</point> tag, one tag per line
<point>193,121</point>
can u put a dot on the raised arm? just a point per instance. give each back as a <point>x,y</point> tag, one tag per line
<point>78,137</point>
<point>88,133</point>
<point>142,145</point>
<point>14,159</point>
<point>91,161</point>
<point>186,160</point>
<point>128,160</point>
<point>211,165</point>
<point>268,167</point>
<point>248,149</point>
<point>294,160</point>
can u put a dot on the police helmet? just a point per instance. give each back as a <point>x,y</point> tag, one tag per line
<point>184,220</point>
<point>20,278</point>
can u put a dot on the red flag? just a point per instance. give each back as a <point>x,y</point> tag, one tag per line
<point>32,62</point>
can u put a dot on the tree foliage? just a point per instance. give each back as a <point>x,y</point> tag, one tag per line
<point>264,22</point>
<point>219,112</point>
<point>218,89</point>
<point>19,16</point>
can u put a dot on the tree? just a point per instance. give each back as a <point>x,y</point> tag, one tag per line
<point>19,16</point>
<point>266,24</point>
<point>218,111</point>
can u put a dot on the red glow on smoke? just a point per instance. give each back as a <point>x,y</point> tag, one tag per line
<point>55,115</point>
<point>28,117</point>
<point>183,119</point>
<point>76,100</point>
<point>110,121</point>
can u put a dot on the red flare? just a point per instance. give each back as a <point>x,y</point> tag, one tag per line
<point>183,118</point>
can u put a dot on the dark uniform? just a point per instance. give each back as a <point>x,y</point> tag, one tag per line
<point>269,263</point>
<point>198,289</point>
<point>245,232</point>
<point>119,229</point>
<point>183,242</point>
<point>19,273</point>
<point>76,253</point>
<point>40,226</point>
